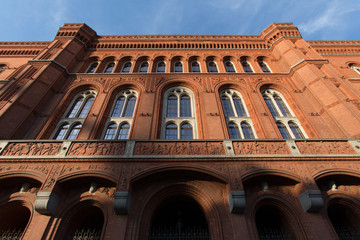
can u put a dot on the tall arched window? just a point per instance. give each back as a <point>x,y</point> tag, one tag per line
<point>13,220</point>
<point>70,124</point>
<point>212,67</point>
<point>355,68</point>
<point>229,66</point>
<point>178,67</point>
<point>345,221</point>
<point>246,66</point>
<point>126,67</point>
<point>144,67</point>
<point>264,67</point>
<point>120,119</point>
<point>92,67</point>
<point>179,120</point>
<point>286,121</point>
<point>161,66</point>
<point>195,67</point>
<point>109,67</point>
<point>236,115</point>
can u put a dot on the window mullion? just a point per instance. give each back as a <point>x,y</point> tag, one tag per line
<point>233,106</point>
<point>275,105</point>
<point>124,106</point>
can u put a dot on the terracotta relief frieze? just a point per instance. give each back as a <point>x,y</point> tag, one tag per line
<point>322,147</point>
<point>179,148</point>
<point>251,148</point>
<point>32,149</point>
<point>97,148</point>
<point>38,168</point>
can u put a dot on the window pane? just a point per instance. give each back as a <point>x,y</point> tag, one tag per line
<point>195,67</point>
<point>127,67</point>
<point>185,106</point>
<point>246,67</point>
<point>76,107</point>
<point>234,131</point>
<point>144,67</point>
<point>280,103</point>
<point>124,131</point>
<point>284,132</point>
<point>74,132</point>
<point>186,131</point>
<point>178,67</point>
<point>271,106</point>
<point>130,107</point>
<point>109,68</point>
<point>92,68</point>
<point>228,110</point>
<point>171,131</point>
<point>295,130</point>
<point>62,131</point>
<point>110,131</point>
<point>264,67</point>
<point>212,67</point>
<point>118,107</point>
<point>161,67</point>
<point>86,108</point>
<point>172,106</point>
<point>247,131</point>
<point>229,67</point>
<point>239,107</point>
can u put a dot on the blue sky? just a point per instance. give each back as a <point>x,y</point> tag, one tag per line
<point>39,20</point>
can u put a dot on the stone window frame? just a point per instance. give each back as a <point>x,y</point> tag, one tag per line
<point>355,68</point>
<point>157,67</point>
<point>237,120</point>
<point>107,66</point>
<point>182,67</point>
<point>74,121</point>
<point>248,63</point>
<point>192,66</point>
<point>96,68</point>
<point>285,120</point>
<point>121,120</point>
<point>208,65</point>
<point>233,66</point>
<point>123,67</point>
<point>179,91</point>
<point>266,65</point>
<point>147,70</point>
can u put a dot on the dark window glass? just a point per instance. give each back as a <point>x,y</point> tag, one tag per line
<point>240,110</point>
<point>74,132</point>
<point>172,106</point>
<point>76,107</point>
<point>118,107</point>
<point>127,67</point>
<point>284,132</point>
<point>228,110</point>
<point>212,67</point>
<point>161,67</point>
<point>271,106</point>
<point>178,67</point>
<point>229,67</point>
<point>185,106</point>
<point>280,103</point>
<point>171,131</point>
<point>234,131</point>
<point>144,67</point>
<point>246,67</point>
<point>92,68</point>
<point>186,131</point>
<point>195,67</point>
<point>62,132</point>
<point>85,110</point>
<point>124,131</point>
<point>130,107</point>
<point>109,68</point>
<point>111,131</point>
<point>264,67</point>
<point>295,130</point>
<point>247,131</point>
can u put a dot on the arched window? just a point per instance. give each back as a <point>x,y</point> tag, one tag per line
<point>285,119</point>
<point>178,67</point>
<point>229,66</point>
<point>345,221</point>
<point>70,124</point>
<point>264,67</point>
<point>121,117</point>
<point>178,114</point>
<point>161,67</point>
<point>126,67</point>
<point>355,68</point>
<point>236,115</point>
<point>246,66</point>
<point>109,67</point>
<point>144,67</point>
<point>13,220</point>
<point>2,67</point>
<point>195,67</point>
<point>92,67</point>
<point>212,67</point>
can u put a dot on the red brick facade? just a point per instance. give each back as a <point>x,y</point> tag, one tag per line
<point>219,137</point>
